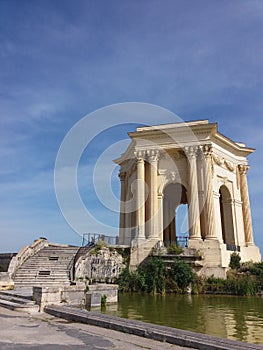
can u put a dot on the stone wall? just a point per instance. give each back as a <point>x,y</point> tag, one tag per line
<point>75,295</point>
<point>99,265</point>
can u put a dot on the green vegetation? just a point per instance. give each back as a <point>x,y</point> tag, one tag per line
<point>155,277</point>
<point>174,249</point>
<point>103,300</point>
<point>235,261</point>
<point>98,247</point>
<point>125,253</point>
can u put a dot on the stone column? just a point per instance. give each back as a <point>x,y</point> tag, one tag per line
<point>140,195</point>
<point>194,213</point>
<point>245,204</point>
<point>209,200</point>
<point>153,203</point>
<point>166,220</point>
<point>122,176</point>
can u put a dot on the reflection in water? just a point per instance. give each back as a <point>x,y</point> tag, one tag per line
<point>239,318</point>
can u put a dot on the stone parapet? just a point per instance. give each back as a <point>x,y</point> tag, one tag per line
<point>160,333</point>
<point>79,296</point>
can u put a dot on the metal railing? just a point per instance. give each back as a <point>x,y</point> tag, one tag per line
<point>233,247</point>
<point>93,238</point>
<point>179,240</point>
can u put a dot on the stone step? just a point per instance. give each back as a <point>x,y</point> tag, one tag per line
<point>49,251</point>
<point>44,268</point>
<point>16,299</point>
<point>41,280</point>
<point>31,273</point>
<point>42,277</point>
<point>50,280</point>
<point>26,293</point>
<point>43,283</point>
<point>38,264</point>
<point>47,258</point>
<point>28,274</point>
<point>18,306</point>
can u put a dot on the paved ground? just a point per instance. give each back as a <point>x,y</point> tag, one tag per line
<point>20,331</point>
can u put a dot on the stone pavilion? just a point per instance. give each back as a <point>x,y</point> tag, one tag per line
<point>192,164</point>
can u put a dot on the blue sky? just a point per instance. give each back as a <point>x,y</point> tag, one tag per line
<point>61,60</point>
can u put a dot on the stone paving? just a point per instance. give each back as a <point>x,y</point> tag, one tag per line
<point>40,331</point>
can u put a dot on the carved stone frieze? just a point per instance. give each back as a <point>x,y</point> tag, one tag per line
<point>218,160</point>
<point>221,161</point>
<point>229,165</point>
<point>174,154</point>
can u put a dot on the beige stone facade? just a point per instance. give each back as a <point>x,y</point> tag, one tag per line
<point>193,164</point>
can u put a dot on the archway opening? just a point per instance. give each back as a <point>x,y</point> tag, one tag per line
<point>175,214</point>
<point>225,202</point>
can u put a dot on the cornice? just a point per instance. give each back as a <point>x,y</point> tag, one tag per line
<point>178,135</point>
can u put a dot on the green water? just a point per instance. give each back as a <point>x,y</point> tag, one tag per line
<point>239,318</point>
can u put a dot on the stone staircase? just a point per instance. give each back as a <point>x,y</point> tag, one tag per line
<point>18,301</point>
<point>189,256</point>
<point>51,266</point>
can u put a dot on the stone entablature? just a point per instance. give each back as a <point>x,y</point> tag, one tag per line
<point>207,168</point>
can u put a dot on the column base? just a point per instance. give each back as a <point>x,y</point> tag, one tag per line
<point>195,238</point>
<point>211,238</point>
<point>136,242</point>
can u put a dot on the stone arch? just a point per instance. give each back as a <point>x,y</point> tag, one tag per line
<point>225,202</point>
<point>174,194</point>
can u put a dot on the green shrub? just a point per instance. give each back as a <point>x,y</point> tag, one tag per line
<point>103,300</point>
<point>242,284</point>
<point>125,253</point>
<point>257,271</point>
<point>182,274</point>
<point>174,249</point>
<point>235,261</point>
<point>124,280</point>
<point>215,285</point>
<point>154,273</point>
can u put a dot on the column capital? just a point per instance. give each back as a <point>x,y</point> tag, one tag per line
<point>243,169</point>
<point>140,155</point>
<point>122,175</point>
<point>153,155</point>
<point>207,150</point>
<point>191,151</point>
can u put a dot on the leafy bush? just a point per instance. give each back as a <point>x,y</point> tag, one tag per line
<point>154,273</point>
<point>242,285</point>
<point>125,253</point>
<point>125,280</point>
<point>236,283</point>
<point>103,300</point>
<point>174,249</point>
<point>154,277</point>
<point>257,270</point>
<point>182,274</point>
<point>234,261</point>
<point>213,284</point>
